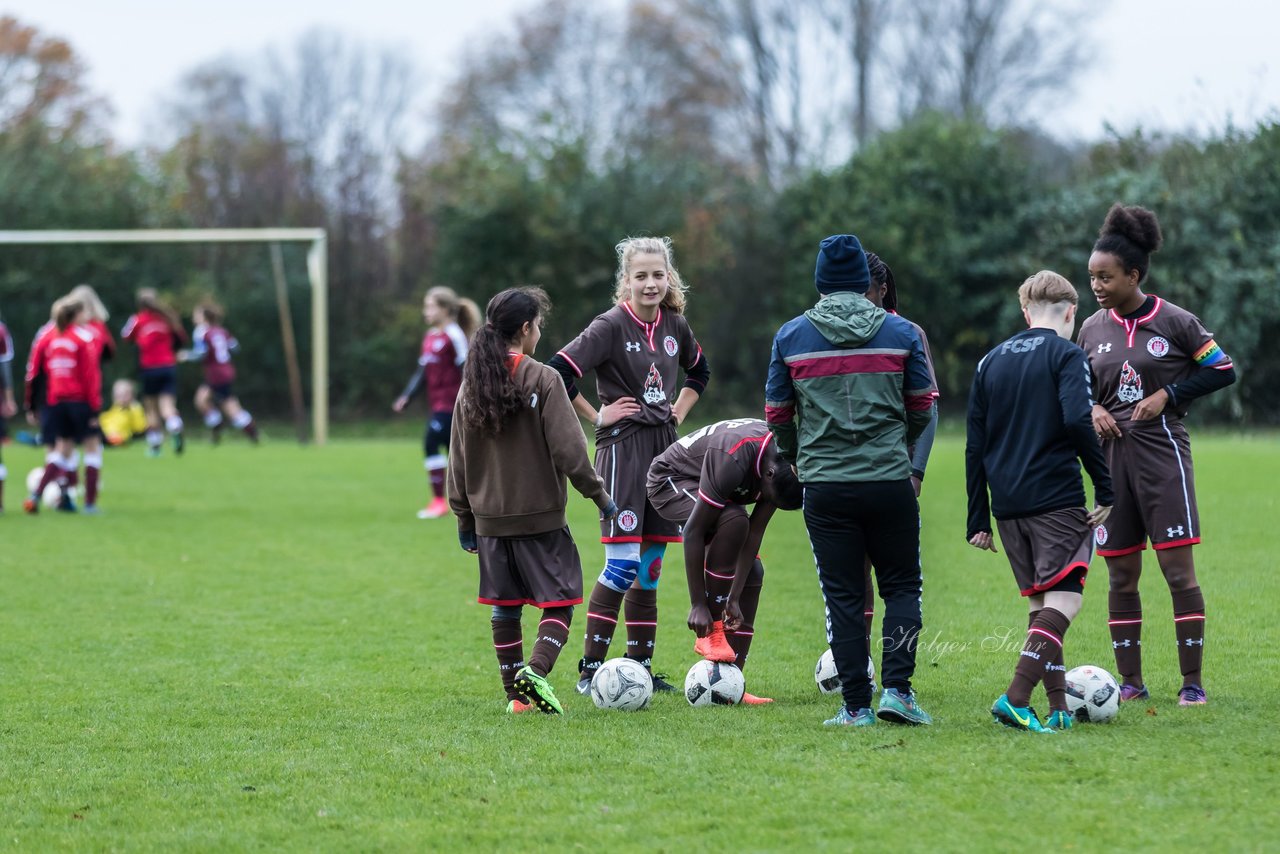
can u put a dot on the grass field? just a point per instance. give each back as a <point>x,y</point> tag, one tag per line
<point>263,649</point>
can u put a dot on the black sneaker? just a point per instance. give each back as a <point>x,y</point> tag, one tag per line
<point>178,443</point>
<point>660,682</point>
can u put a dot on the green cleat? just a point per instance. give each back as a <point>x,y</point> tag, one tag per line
<point>899,708</point>
<point>863,717</point>
<point>1059,719</point>
<point>1011,716</point>
<point>537,690</point>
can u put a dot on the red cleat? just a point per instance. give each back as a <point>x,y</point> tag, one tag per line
<point>715,646</point>
<point>753,700</point>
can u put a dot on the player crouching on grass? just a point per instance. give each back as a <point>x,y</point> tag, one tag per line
<point>1030,420</point>
<point>704,482</point>
<point>509,453</point>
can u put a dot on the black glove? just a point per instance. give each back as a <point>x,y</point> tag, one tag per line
<point>467,539</point>
<point>610,510</point>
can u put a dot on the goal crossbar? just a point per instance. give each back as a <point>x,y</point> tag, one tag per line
<point>317,275</point>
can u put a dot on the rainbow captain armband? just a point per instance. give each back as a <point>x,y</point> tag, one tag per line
<point>1211,356</point>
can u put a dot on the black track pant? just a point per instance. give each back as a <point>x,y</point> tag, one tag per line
<point>880,520</point>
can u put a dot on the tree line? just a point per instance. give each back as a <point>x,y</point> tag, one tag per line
<point>706,120</point>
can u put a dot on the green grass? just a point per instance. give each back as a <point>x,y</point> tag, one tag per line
<point>263,649</point>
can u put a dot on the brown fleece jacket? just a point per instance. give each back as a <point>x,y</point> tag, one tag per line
<point>513,484</point>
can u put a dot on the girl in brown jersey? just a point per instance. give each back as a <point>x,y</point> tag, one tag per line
<point>636,350</point>
<point>1149,359</point>
<point>514,442</point>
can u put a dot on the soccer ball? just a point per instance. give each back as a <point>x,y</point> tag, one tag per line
<point>1092,695</point>
<point>826,676</point>
<point>622,684</point>
<point>712,682</point>
<point>52,493</point>
<point>829,680</point>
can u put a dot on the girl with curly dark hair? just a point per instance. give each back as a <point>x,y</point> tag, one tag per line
<point>1150,359</point>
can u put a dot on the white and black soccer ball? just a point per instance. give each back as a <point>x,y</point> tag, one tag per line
<point>1092,694</point>
<point>622,684</point>
<point>826,675</point>
<point>828,679</point>
<point>714,683</point>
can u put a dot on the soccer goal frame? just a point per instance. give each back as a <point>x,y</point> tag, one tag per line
<point>317,275</point>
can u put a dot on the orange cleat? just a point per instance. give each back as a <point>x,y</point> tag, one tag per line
<point>437,508</point>
<point>753,700</point>
<point>715,646</point>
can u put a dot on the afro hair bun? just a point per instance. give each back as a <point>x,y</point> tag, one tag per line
<point>1136,224</point>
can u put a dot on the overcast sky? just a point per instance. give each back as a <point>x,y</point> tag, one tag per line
<point>1160,64</point>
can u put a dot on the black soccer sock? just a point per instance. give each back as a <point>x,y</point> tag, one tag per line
<point>1188,623</point>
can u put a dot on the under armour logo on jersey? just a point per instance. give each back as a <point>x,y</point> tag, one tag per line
<point>1104,348</point>
<point>1194,641</point>
<point>1175,532</point>
<point>633,346</point>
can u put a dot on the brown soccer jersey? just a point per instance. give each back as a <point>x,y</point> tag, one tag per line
<point>1133,358</point>
<point>632,358</point>
<point>723,459</point>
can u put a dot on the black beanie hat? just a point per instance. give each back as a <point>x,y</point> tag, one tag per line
<point>842,265</point>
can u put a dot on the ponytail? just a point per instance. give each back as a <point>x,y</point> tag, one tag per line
<point>489,392</point>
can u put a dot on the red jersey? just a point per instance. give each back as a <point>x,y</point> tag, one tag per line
<point>214,344</point>
<point>104,342</point>
<point>67,360</point>
<point>443,352</point>
<point>154,337</point>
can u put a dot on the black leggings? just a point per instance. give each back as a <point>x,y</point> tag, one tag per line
<point>847,523</point>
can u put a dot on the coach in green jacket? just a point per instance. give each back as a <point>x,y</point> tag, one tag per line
<point>848,389</point>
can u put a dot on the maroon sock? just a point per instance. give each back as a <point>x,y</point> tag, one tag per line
<point>508,643</point>
<point>437,483</point>
<point>72,479</point>
<point>602,621</point>
<point>1044,641</point>
<point>1125,622</point>
<point>91,474</point>
<point>741,637</point>
<point>553,631</point>
<point>641,610</point>
<point>251,430</point>
<point>1055,676</point>
<point>52,474</point>
<point>718,583</point>
<point>1188,623</point>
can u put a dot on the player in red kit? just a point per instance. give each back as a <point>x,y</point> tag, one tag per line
<point>213,345</point>
<point>156,330</point>
<point>451,321</point>
<point>67,361</point>
<point>104,346</point>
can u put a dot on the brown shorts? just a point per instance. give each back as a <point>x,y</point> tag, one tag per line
<point>624,465</point>
<point>1155,490</point>
<point>1044,550</point>
<point>672,498</point>
<point>542,570</point>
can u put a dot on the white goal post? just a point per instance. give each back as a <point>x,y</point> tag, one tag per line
<point>317,274</point>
